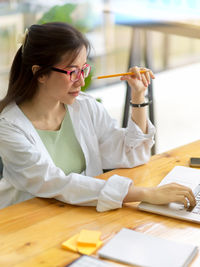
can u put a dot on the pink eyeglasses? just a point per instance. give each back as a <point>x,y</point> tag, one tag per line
<point>75,74</point>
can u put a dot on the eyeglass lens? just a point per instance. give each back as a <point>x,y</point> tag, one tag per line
<point>75,75</point>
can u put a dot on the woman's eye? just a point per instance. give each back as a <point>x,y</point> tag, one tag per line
<point>73,71</point>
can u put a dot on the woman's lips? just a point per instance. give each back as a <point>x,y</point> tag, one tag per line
<point>75,93</point>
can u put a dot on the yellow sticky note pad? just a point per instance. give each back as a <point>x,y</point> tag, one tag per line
<point>88,238</point>
<point>71,243</point>
<point>86,242</point>
<point>88,250</point>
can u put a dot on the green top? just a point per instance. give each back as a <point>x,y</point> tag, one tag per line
<point>63,147</point>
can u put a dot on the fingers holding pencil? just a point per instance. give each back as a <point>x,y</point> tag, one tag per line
<point>139,73</point>
<point>139,80</point>
<point>142,74</point>
<point>146,77</point>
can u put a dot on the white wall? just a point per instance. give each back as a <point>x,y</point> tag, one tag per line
<point>177,107</point>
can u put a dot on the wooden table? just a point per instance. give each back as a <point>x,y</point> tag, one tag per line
<point>31,232</point>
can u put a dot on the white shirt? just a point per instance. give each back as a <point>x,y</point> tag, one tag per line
<point>30,172</point>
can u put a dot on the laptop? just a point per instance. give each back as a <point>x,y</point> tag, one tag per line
<point>182,175</point>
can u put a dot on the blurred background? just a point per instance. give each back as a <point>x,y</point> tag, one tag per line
<point>163,35</point>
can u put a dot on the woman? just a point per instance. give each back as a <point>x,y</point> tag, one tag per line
<point>54,138</point>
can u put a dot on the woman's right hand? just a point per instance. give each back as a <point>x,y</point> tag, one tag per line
<point>162,194</point>
<point>170,193</point>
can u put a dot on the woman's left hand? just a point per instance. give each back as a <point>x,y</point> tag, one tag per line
<point>139,81</point>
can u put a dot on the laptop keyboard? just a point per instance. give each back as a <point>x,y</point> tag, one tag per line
<point>196,209</point>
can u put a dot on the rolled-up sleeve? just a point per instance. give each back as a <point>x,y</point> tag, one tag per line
<point>113,193</point>
<point>121,147</point>
<point>135,137</point>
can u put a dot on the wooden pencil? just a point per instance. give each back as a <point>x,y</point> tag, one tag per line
<point>118,74</point>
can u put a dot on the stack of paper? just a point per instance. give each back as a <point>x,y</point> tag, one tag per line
<point>85,242</point>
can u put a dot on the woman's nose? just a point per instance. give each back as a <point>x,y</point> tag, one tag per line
<point>81,81</point>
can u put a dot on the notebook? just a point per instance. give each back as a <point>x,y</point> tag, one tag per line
<point>182,175</point>
<point>139,249</point>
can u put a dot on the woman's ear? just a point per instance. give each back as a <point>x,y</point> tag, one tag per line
<point>41,78</point>
<point>35,68</point>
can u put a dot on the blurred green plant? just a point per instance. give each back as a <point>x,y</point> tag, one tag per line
<point>80,16</point>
